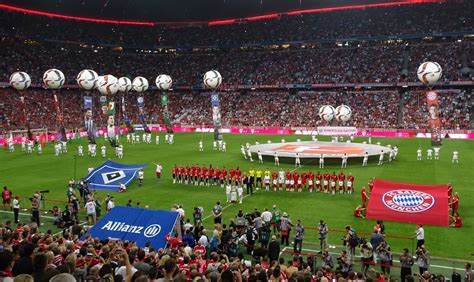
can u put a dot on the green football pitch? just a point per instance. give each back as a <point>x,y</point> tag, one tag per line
<point>24,174</point>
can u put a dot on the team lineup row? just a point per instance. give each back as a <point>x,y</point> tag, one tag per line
<point>278,181</point>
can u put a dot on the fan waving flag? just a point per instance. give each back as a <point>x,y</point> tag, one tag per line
<point>407,202</point>
<point>109,175</point>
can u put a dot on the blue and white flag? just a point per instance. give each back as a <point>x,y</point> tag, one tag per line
<point>136,224</point>
<point>87,102</point>
<point>109,175</point>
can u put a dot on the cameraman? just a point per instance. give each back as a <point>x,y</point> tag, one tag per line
<point>384,258</point>
<point>367,255</point>
<point>423,259</point>
<point>323,233</point>
<point>406,262</point>
<point>344,264</point>
<point>35,206</point>
<point>327,260</point>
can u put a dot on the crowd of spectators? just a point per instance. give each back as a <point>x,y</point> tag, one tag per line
<point>378,63</point>
<point>370,109</point>
<point>426,18</point>
<point>247,249</point>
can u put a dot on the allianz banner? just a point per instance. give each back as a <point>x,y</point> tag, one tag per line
<point>136,224</point>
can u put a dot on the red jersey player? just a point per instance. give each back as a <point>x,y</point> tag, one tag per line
<point>181,174</point>
<point>326,177</point>
<point>238,175</point>
<point>358,212</point>
<point>311,181</point>
<point>319,181</point>
<point>288,180</point>
<point>363,194</point>
<point>231,174</point>
<point>223,176</point>
<point>342,179</point>
<point>175,173</point>
<point>211,175</point>
<point>371,185</point>
<point>217,176</point>
<point>274,181</point>
<point>6,197</point>
<point>333,182</point>
<point>187,173</point>
<point>304,177</point>
<point>197,174</point>
<point>204,176</point>
<point>455,203</point>
<point>296,178</point>
<point>350,184</point>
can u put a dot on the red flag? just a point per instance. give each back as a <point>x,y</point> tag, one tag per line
<point>407,202</point>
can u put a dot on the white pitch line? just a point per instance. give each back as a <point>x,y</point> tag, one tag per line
<point>22,213</point>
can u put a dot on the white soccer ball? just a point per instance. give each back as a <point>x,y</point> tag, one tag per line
<point>20,80</point>
<point>163,82</point>
<point>53,78</point>
<point>107,84</point>
<point>140,84</point>
<point>429,72</point>
<point>212,79</point>
<point>124,84</point>
<point>326,112</point>
<point>343,113</point>
<point>87,79</point>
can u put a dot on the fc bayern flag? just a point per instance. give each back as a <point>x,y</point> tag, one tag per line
<point>407,202</point>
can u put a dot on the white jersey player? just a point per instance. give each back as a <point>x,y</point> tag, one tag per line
<point>344,161</point>
<point>148,138</point>
<point>144,137</point>
<point>455,157</point>
<point>224,146</point>
<point>298,140</point>
<point>23,145</point>
<point>381,157</point>
<point>29,147</point>
<point>321,161</point>
<point>137,139</point>
<point>201,146</point>
<point>436,153</point>
<point>429,154</point>
<point>269,141</point>
<point>214,145</point>
<point>132,138</point>
<point>64,147</point>
<point>240,193</point>
<point>266,181</point>
<point>11,146</point>
<point>122,188</point>
<point>419,154</point>
<point>313,137</point>
<point>391,155</point>
<point>93,150</point>
<point>228,188</point>
<point>282,140</point>
<point>297,160</point>
<point>281,179</point>
<point>249,153</point>
<point>57,149</point>
<point>257,143</point>
<point>89,170</point>
<point>80,151</point>
<point>120,151</point>
<point>277,159</point>
<point>171,139</point>
<point>395,152</point>
<point>157,139</point>
<point>40,149</point>
<point>219,145</point>
<point>103,151</point>
<point>260,158</point>
<point>128,138</point>
<point>242,149</point>
<point>366,159</point>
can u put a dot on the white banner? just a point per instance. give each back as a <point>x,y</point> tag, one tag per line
<point>337,130</point>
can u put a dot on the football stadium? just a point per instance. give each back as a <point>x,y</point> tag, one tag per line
<point>225,140</point>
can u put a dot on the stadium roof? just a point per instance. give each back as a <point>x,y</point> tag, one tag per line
<point>152,12</point>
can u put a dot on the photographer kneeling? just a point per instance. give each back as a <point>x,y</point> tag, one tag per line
<point>344,264</point>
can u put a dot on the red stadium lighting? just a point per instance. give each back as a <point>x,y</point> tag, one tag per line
<point>216,22</point>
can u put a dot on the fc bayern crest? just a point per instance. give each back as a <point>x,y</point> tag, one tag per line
<point>408,201</point>
<point>432,95</point>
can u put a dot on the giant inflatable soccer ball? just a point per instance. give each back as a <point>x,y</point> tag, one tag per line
<point>212,79</point>
<point>20,80</point>
<point>87,79</point>
<point>140,84</point>
<point>326,112</point>
<point>163,82</point>
<point>343,113</point>
<point>107,84</point>
<point>53,79</point>
<point>124,84</point>
<point>429,72</point>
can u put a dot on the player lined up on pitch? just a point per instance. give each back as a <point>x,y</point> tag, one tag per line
<point>264,179</point>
